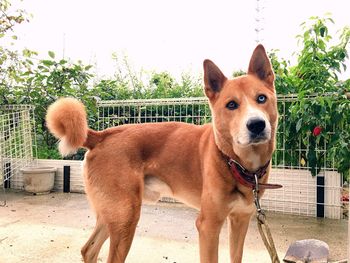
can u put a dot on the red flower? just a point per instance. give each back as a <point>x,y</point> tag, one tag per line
<point>317,131</point>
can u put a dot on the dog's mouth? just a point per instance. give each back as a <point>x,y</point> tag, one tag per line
<point>259,140</point>
<point>254,140</point>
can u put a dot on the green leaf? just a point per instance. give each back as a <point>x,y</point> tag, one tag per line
<point>298,126</point>
<point>312,161</point>
<point>48,62</point>
<point>29,62</point>
<point>51,54</point>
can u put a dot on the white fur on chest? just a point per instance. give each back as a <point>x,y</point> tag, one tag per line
<point>240,205</point>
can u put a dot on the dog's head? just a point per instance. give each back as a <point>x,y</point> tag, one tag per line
<point>244,109</point>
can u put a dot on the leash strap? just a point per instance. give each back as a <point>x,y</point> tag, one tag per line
<point>266,236</point>
<point>251,180</point>
<point>263,226</point>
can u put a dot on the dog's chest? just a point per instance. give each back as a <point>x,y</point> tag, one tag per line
<point>241,205</point>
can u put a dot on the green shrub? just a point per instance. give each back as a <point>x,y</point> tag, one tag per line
<point>322,98</point>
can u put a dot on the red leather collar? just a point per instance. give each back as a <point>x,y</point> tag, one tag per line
<point>250,179</point>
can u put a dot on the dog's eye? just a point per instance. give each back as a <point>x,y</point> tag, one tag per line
<point>261,99</point>
<point>232,105</point>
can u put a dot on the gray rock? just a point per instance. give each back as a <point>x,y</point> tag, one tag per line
<point>307,251</point>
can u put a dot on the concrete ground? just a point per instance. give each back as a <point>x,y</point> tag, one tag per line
<point>52,228</point>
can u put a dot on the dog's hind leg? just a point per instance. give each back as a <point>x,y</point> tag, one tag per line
<point>122,229</point>
<point>92,247</point>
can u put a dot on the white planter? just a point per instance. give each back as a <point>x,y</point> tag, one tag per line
<point>38,180</point>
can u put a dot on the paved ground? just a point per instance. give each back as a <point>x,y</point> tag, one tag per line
<point>52,228</point>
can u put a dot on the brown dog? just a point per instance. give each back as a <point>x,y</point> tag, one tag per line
<point>129,163</point>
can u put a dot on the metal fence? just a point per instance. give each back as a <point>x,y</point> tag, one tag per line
<point>302,194</point>
<point>117,112</point>
<point>17,147</point>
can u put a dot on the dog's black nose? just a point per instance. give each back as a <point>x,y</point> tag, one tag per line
<point>256,126</point>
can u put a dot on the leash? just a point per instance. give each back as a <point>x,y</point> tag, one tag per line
<point>251,180</point>
<point>263,226</point>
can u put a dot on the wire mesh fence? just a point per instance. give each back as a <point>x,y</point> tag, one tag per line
<point>17,147</point>
<point>118,112</point>
<point>302,194</point>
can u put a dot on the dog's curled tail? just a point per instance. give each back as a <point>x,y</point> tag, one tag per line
<point>66,120</point>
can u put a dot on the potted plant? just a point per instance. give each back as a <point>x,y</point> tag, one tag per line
<point>38,180</point>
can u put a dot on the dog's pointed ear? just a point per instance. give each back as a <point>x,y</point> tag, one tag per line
<point>214,79</point>
<point>260,65</point>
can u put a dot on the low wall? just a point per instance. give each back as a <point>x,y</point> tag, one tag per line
<point>298,195</point>
<point>76,174</point>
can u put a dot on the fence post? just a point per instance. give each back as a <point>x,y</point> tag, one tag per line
<point>66,179</point>
<point>320,195</point>
<point>7,177</point>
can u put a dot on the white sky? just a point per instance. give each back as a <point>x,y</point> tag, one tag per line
<point>169,35</point>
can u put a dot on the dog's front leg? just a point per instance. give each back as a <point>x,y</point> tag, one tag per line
<point>209,224</point>
<point>209,232</point>
<point>237,226</point>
